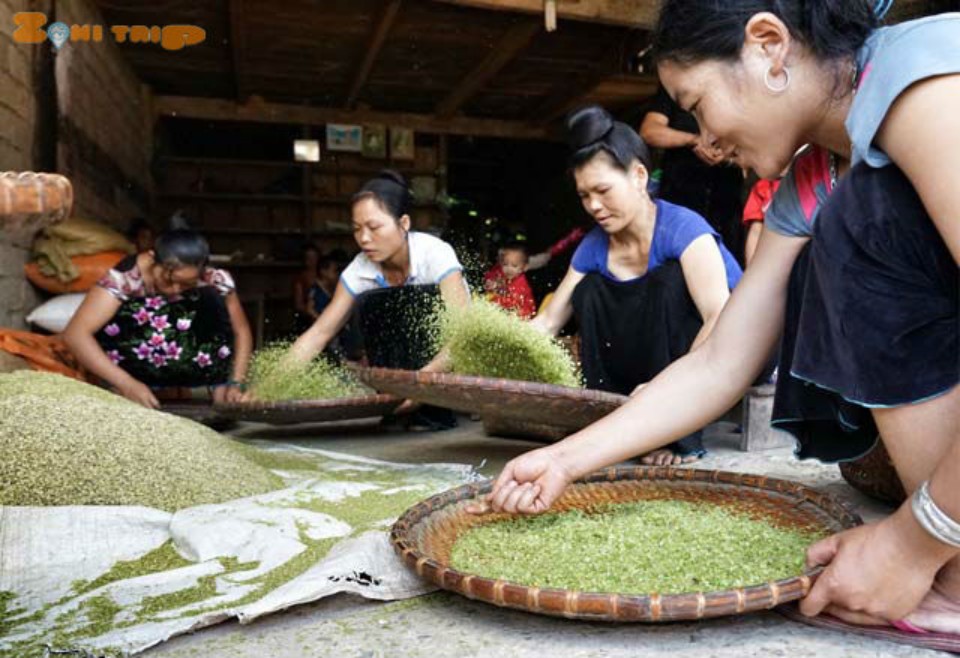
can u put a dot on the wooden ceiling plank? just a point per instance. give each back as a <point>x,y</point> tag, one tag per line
<point>215,109</point>
<point>513,42</point>
<point>629,13</point>
<point>377,39</point>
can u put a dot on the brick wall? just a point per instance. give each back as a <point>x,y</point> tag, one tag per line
<point>17,122</point>
<point>17,100</point>
<point>105,129</point>
<point>103,134</point>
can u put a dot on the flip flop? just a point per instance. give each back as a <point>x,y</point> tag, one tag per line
<point>902,632</point>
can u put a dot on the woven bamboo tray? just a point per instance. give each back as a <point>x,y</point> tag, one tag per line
<point>29,194</point>
<point>425,534</point>
<point>310,411</point>
<point>875,475</point>
<point>517,429</point>
<point>201,411</point>
<point>31,202</point>
<point>566,409</point>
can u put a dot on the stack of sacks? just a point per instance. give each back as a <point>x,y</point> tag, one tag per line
<point>70,257</point>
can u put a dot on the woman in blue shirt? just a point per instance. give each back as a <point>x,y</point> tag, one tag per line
<point>648,282</point>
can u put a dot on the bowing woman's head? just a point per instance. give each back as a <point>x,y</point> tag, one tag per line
<point>380,216</point>
<point>610,167</point>
<point>179,257</point>
<point>761,76</point>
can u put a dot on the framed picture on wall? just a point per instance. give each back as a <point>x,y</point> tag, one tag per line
<point>344,137</point>
<point>401,144</point>
<point>374,141</point>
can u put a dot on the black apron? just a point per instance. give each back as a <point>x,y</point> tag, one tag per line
<point>873,316</point>
<point>400,328</point>
<point>632,330</point>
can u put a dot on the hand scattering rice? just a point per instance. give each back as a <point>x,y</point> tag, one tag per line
<point>486,341</point>
<point>64,442</point>
<point>274,378</point>
<point>664,546</point>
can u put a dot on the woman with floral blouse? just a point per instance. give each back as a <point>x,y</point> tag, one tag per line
<point>163,318</point>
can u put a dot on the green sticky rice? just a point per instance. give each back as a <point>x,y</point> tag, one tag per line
<point>276,378</point>
<point>486,341</point>
<point>663,546</point>
<point>68,443</point>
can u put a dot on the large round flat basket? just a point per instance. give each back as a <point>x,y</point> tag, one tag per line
<point>424,537</point>
<point>559,407</point>
<point>200,411</point>
<point>310,411</point>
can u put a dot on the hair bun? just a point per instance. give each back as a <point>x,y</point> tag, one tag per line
<point>179,222</point>
<point>587,126</point>
<point>393,177</point>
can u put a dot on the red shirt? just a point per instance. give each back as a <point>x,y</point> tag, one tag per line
<point>759,200</point>
<point>514,295</point>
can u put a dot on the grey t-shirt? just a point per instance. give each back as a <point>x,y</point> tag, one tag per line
<point>892,59</point>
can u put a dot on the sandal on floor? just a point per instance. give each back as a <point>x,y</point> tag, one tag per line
<point>902,632</point>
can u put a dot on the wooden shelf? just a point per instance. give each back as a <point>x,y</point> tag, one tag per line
<point>261,265</point>
<point>279,232</point>
<point>283,198</point>
<point>229,196</point>
<point>317,167</point>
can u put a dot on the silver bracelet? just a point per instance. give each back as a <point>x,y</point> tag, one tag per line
<point>933,519</point>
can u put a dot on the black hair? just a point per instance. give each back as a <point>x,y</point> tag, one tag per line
<point>180,246</point>
<point>691,31</point>
<point>389,189</point>
<point>591,130</point>
<point>516,245</point>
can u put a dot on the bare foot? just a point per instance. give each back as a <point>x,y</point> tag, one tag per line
<point>666,457</point>
<point>937,613</point>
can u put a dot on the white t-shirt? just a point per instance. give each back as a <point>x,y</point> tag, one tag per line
<point>431,261</point>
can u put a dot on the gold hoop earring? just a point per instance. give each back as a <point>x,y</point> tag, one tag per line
<point>769,85</point>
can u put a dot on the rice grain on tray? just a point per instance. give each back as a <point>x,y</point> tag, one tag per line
<point>273,378</point>
<point>665,546</point>
<point>68,443</point>
<point>485,341</point>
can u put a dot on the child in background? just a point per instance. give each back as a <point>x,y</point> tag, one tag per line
<point>753,213</point>
<point>507,284</point>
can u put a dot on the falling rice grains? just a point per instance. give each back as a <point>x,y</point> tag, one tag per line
<point>275,378</point>
<point>68,443</point>
<point>664,546</point>
<point>486,341</point>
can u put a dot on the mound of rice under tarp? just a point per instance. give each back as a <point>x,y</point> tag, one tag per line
<point>68,443</point>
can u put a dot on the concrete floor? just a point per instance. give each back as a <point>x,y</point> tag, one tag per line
<point>445,625</point>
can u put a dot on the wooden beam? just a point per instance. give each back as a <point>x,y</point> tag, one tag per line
<point>237,46</point>
<point>377,39</point>
<point>609,90</point>
<point>515,40</point>
<point>629,13</point>
<point>216,109</point>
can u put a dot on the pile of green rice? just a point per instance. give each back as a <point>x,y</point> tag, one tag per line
<point>486,341</point>
<point>64,442</point>
<point>276,378</point>
<point>664,546</point>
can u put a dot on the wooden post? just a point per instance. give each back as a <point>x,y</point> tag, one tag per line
<point>550,15</point>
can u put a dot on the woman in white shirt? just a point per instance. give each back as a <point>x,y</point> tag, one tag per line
<point>392,283</point>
